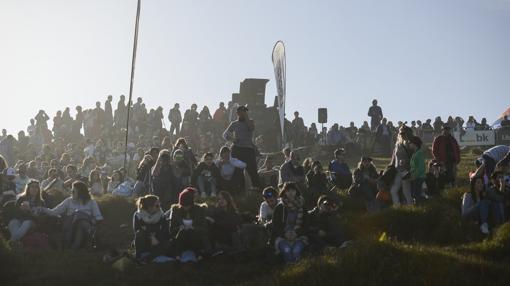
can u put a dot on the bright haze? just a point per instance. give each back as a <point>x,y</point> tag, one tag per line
<point>420,59</point>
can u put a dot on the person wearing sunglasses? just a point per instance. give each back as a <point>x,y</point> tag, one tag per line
<point>323,229</point>
<point>151,229</point>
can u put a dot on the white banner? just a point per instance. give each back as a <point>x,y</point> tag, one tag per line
<point>475,138</point>
<point>279,64</point>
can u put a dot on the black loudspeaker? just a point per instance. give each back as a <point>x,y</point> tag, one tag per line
<point>323,115</point>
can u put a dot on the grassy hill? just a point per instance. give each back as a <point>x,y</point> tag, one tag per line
<point>425,245</point>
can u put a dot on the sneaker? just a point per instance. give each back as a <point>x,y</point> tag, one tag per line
<point>484,228</point>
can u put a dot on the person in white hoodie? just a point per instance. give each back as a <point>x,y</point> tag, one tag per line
<point>231,172</point>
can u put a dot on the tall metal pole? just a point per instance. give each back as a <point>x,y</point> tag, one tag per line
<point>133,60</point>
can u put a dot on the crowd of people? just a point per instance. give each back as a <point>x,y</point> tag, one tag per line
<point>86,157</point>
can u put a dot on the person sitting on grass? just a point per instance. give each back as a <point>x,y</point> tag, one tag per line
<point>206,176</point>
<point>497,193</point>
<point>288,224</point>
<point>435,178</point>
<point>317,182</point>
<point>365,183</point>
<point>292,171</point>
<point>224,223</point>
<point>151,229</point>
<point>267,206</point>
<point>477,206</point>
<point>188,227</point>
<point>231,172</point>
<point>22,213</point>
<point>341,175</point>
<point>323,228</point>
<point>81,213</point>
<point>95,183</point>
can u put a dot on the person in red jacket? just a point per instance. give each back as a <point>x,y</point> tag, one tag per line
<point>446,150</point>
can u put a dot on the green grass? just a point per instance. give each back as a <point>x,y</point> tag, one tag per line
<point>425,245</point>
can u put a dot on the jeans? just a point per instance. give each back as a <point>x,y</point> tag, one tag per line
<point>406,189</point>
<point>291,251</point>
<point>206,185</point>
<point>18,228</point>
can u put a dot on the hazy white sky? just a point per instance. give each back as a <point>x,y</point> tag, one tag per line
<point>419,58</point>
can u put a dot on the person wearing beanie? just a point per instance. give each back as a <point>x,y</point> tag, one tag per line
<point>188,225</point>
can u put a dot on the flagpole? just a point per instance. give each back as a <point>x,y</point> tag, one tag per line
<point>133,60</point>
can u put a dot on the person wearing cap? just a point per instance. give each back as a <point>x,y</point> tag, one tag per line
<point>324,229</point>
<point>417,168</point>
<point>445,149</point>
<point>365,183</point>
<point>188,225</point>
<point>266,209</point>
<point>401,161</point>
<point>240,132</point>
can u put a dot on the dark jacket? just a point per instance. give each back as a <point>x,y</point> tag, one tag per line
<point>160,229</point>
<point>204,169</point>
<point>279,222</point>
<point>177,214</point>
<point>440,148</point>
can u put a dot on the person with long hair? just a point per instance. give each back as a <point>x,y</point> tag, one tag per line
<point>151,229</point>
<point>477,206</point>
<point>401,161</point>
<point>162,183</point>
<point>225,222</point>
<point>189,157</point>
<point>95,183</point>
<point>80,214</point>
<point>289,223</point>
<point>143,173</point>
<point>22,213</point>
